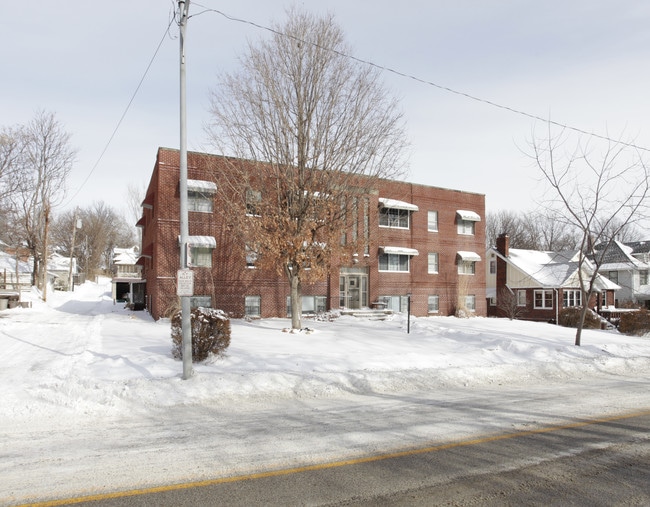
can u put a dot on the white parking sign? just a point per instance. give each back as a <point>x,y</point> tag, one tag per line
<point>185,282</point>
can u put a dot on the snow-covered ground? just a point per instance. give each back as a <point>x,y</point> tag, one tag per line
<point>92,399</point>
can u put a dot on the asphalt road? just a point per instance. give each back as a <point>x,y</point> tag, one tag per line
<point>588,462</point>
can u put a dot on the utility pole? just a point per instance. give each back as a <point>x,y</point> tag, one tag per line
<point>75,225</point>
<point>183,9</point>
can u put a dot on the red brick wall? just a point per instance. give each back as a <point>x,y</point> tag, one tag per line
<point>229,280</point>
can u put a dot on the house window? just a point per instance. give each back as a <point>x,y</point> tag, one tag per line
<point>466,267</point>
<point>466,227</point>
<point>643,277</point>
<point>493,267</point>
<point>201,256</point>
<point>433,263</point>
<point>200,301</point>
<point>603,298</point>
<point>521,297</point>
<point>470,302</point>
<point>433,304</point>
<point>493,301</point>
<point>543,299</point>
<point>253,306</point>
<point>393,217</point>
<point>432,221</point>
<point>394,262</point>
<point>253,200</point>
<point>199,201</point>
<point>613,276</point>
<point>571,298</point>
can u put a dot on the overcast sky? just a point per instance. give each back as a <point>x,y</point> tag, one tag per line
<point>583,63</point>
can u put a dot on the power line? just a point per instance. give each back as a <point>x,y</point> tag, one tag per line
<point>427,82</point>
<point>126,110</point>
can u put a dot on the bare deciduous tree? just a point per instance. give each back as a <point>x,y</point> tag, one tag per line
<point>600,194</point>
<point>533,230</point>
<point>508,304</point>
<point>45,161</point>
<point>325,129</point>
<point>102,229</point>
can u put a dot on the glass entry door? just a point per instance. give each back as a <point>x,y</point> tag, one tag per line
<point>353,288</point>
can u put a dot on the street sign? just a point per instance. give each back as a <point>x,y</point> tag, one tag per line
<point>185,282</point>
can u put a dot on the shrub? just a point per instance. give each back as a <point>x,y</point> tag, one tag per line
<point>570,317</point>
<point>635,322</point>
<point>210,333</point>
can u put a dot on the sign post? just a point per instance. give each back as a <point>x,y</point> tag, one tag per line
<point>185,283</point>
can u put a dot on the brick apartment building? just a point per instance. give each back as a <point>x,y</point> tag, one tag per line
<point>421,241</point>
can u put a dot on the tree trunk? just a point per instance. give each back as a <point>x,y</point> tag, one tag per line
<point>581,323</point>
<point>45,233</point>
<point>296,302</point>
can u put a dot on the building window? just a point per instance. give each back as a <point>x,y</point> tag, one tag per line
<point>571,298</point>
<point>201,256</point>
<point>521,297</point>
<point>433,263</point>
<point>613,276</point>
<point>310,304</point>
<point>253,306</point>
<point>466,227</point>
<point>466,267</point>
<point>393,217</point>
<point>199,201</point>
<point>396,303</point>
<point>643,277</point>
<point>432,221</point>
<point>493,301</point>
<point>253,200</point>
<point>394,262</point>
<point>493,267</point>
<point>434,304</point>
<point>543,299</point>
<point>603,298</point>
<point>251,256</point>
<point>470,302</point>
<point>200,301</point>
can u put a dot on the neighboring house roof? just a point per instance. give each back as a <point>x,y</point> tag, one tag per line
<point>553,269</point>
<point>620,256</point>
<point>8,262</point>
<point>58,262</point>
<point>126,256</point>
<point>639,247</point>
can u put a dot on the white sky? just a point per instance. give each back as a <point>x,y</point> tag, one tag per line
<point>584,63</point>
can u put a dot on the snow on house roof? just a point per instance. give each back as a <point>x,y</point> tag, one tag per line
<point>58,262</point>
<point>552,269</point>
<point>555,269</point>
<point>125,256</point>
<point>8,262</point>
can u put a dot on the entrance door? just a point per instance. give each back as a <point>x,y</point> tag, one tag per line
<point>353,288</point>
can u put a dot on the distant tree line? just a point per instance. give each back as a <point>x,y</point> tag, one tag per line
<point>541,230</point>
<point>36,159</point>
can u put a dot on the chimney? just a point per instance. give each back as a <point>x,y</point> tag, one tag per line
<point>503,244</point>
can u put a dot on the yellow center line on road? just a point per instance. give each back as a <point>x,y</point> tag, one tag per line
<point>335,464</point>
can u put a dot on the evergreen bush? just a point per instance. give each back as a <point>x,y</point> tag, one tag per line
<point>636,323</point>
<point>210,333</point>
<point>570,317</point>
